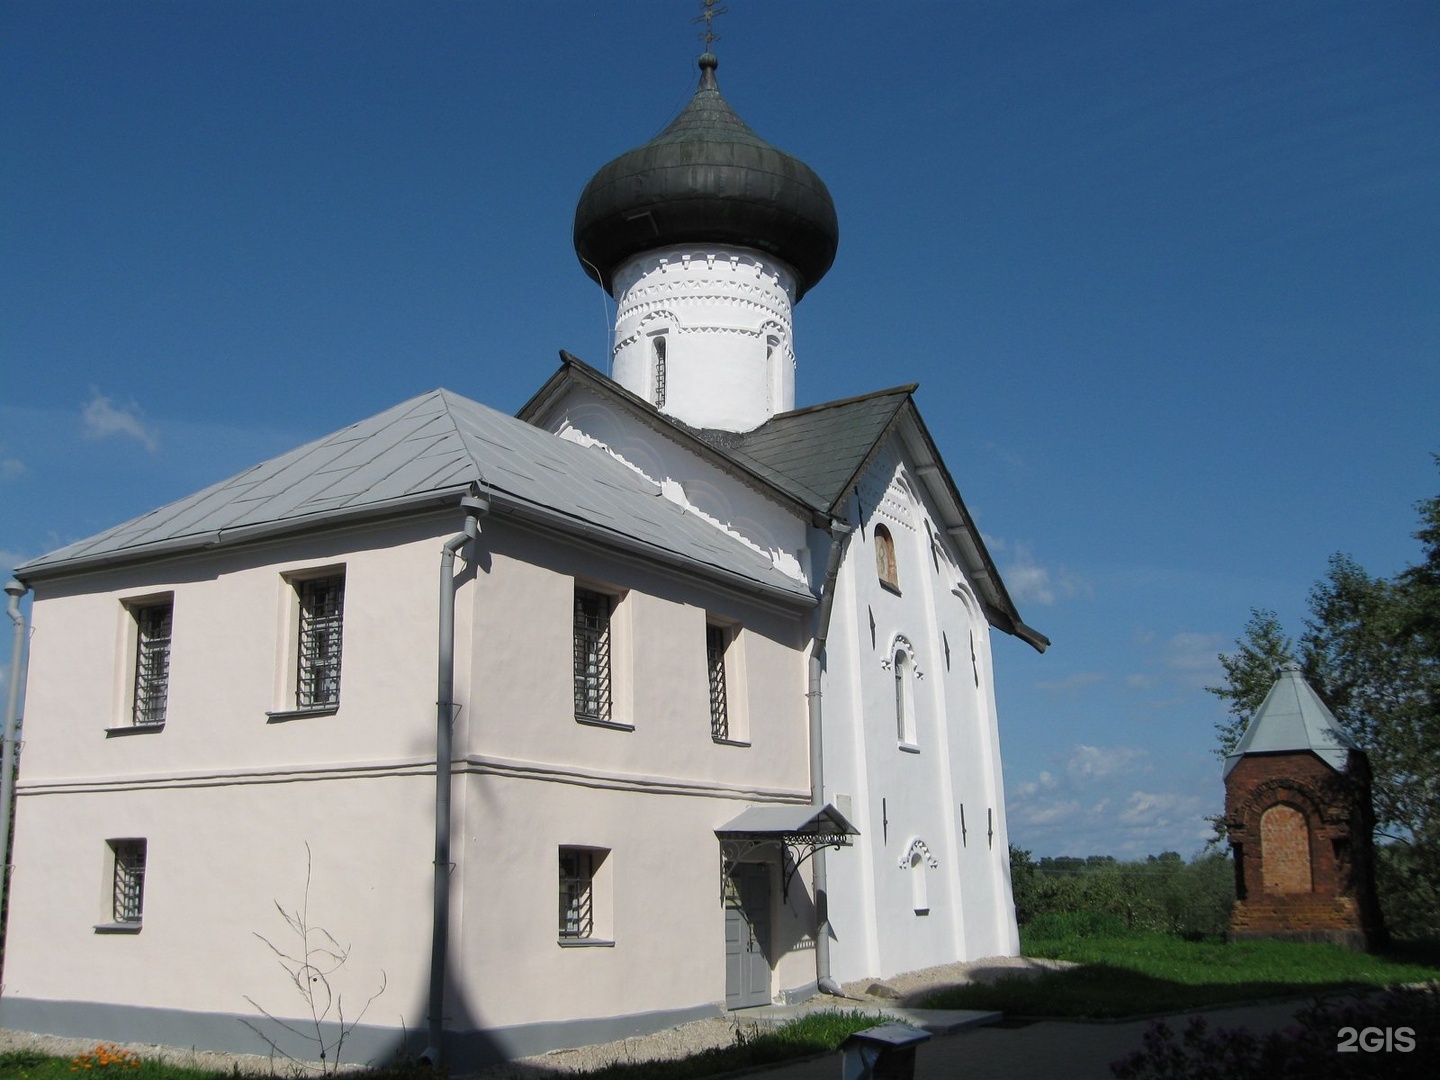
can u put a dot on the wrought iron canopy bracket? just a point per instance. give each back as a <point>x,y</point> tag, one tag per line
<point>794,849</point>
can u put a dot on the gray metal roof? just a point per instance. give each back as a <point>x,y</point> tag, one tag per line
<point>1292,717</point>
<point>788,821</point>
<point>823,448</point>
<point>812,458</point>
<point>424,452</point>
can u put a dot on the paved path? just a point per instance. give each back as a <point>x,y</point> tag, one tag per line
<point>1044,1050</point>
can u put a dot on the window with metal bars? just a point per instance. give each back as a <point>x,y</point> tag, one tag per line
<point>577,886</point>
<point>322,611</point>
<point>592,655</point>
<point>128,895</point>
<point>717,640</point>
<point>657,344</point>
<point>152,663</point>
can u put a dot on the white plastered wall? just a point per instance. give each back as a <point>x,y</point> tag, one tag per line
<point>907,799</point>
<point>227,798</point>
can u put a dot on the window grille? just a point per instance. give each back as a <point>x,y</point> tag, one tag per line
<point>592,655</point>
<point>129,893</point>
<point>152,663</point>
<point>658,343</point>
<point>322,609</point>
<point>577,877</point>
<point>716,640</point>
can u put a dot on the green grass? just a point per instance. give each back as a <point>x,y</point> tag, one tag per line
<point>817,1033</point>
<point>1134,973</point>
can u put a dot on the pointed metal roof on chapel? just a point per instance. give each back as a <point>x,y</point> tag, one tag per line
<point>1292,717</point>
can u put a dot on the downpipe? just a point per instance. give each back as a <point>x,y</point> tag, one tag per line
<point>475,507</point>
<point>14,590</point>
<point>839,536</point>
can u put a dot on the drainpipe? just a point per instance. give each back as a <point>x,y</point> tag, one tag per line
<point>839,533</point>
<point>474,507</point>
<point>15,590</point>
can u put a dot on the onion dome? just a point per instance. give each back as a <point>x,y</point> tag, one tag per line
<point>707,179</point>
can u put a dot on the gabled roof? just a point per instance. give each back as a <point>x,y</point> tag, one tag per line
<point>812,458</point>
<point>823,448</point>
<point>423,453</point>
<point>1292,717</point>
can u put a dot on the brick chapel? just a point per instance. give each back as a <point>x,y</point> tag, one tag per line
<point>1299,819</point>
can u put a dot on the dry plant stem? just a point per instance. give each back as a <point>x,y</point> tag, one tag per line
<point>319,958</point>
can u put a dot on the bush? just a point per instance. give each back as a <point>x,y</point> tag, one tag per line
<point>1308,1050</point>
<point>1061,925</point>
<point>1161,893</point>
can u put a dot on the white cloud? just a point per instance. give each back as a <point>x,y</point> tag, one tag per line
<point>1095,763</point>
<point>1195,658</point>
<point>104,418</point>
<point>1029,582</point>
<point>12,468</point>
<point>1071,685</point>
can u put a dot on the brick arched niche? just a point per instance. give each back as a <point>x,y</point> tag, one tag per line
<point>1285,850</point>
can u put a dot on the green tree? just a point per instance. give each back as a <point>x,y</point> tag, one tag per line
<point>1249,673</point>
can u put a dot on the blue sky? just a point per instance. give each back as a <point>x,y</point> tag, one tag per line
<point>1166,273</point>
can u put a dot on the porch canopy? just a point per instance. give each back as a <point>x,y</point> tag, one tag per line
<point>796,831</point>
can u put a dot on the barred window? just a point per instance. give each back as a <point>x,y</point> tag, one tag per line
<point>152,663</point>
<point>657,344</point>
<point>592,655</point>
<point>128,896</point>
<point>577,881</point>
<point>322,610</point>
<point>717,641</point>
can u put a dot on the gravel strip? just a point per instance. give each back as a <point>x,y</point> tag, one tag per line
<point>676,1042</point>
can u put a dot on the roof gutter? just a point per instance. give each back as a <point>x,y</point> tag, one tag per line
<point>840,532</point>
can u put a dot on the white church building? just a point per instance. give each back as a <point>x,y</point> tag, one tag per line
<point>708,678</point>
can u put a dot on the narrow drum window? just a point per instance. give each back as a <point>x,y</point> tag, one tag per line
<point>152,664</point>
<point>658,347</point>
<point>592,655</point>
<point>128,897</point>
<point>322,611</point>
<point>577,879</point>
<point>904,706</point>
<point>717,641</point>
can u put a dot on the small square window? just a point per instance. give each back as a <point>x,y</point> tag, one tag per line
<point>152,663</point>
<point>128,891</point>
<point>322,614</point>
<point>592,655</point>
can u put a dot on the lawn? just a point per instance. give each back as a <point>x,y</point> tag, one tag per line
<point>817,1033</point>
<point>1137,973</point>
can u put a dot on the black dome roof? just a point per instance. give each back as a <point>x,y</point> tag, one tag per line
<point>707,178</point>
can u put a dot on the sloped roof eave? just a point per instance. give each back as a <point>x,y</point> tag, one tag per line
<point>45,568</point>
